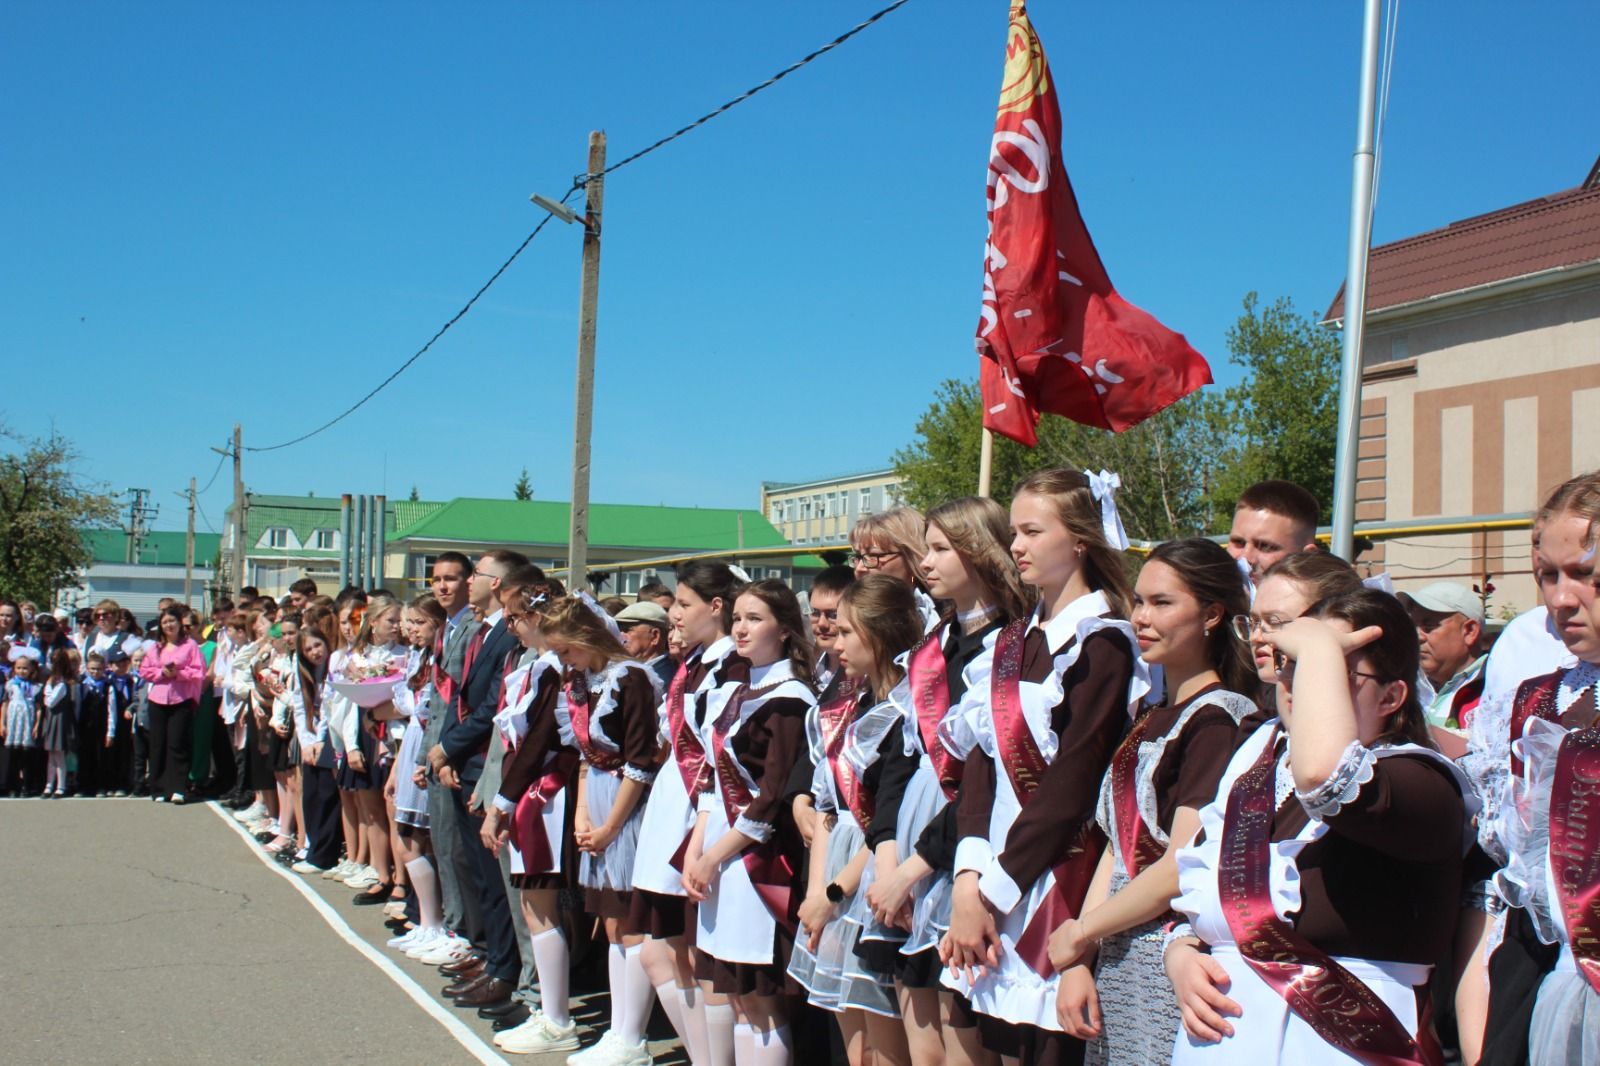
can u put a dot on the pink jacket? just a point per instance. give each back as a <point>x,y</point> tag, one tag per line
<point>188,682</point>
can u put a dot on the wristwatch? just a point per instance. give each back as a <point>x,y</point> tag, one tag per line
<point>834,893</point>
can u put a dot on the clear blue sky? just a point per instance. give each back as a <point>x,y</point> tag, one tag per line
<point>219,212</point>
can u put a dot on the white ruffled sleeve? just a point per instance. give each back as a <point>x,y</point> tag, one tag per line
<point>1354,769</point>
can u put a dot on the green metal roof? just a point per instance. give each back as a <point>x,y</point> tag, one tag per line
<point>159,548</point>
<point>611,525</point>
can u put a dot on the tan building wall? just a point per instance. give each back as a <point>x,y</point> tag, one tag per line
<point>823,512</point>
<point>1474,409</point>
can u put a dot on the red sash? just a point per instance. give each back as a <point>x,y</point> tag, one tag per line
<point>1333,1001</point>
<point>527,821</point>
<point>1575,846</point>
<point>771,873</point>
<point>610,762</point>
<point>1536,698</point>
<point>687,751</point>
<point>930,697</point>
<point>1137,844</point>
<point>835,718</point>
<point>1025,766</point>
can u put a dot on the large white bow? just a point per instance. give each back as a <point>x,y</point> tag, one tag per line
<point>1104,485</point>
<point>601,613</point>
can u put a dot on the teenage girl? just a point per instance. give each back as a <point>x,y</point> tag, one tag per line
<point>1038,738</point>
<point>423,619</point>
<point>878,621</point>
<point>530,817</point>
<point>319,797</point>
<point>741,861</point>
<point>364,762</point>
<point>702,612</point>
<point>1166,769</point>
<point>612,701</point>
<point>969,567</point>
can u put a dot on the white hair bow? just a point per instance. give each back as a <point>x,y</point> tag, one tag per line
<point>1104,485</point>
<point>600,613</point>
<point>740,573</point>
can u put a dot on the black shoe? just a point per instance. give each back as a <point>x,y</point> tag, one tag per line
<point>518,1014</point>
<point>373,897</point>
<point>499,1010</point>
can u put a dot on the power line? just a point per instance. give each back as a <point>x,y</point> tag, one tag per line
<point>747,94</point>
<point>578,183</point>
<point>420,352</point>
<point>214,473</point>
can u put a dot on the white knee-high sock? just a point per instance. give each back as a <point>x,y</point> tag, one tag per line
<point>719,1034</point>
<point>550,962</point>
<point>640,993</point>
<point>426,884</point>
<point>744,1044</point>
<point>767,1047</point>
<point>692,1005</point>
<point>616,968</point>
<point>667,994</point>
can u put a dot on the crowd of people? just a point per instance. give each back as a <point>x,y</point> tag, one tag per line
<point>986,795</point>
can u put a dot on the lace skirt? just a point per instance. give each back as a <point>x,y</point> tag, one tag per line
<point>612,870</point>
<point>834,977</point>
<point>1566,1018</point>
<point>410,802</point>
<point>1139,1012</point>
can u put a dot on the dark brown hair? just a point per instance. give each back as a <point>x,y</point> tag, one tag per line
<point>1212,577</point>
<point>785,607</point>
<point>1392,657</point>
<point>1283,498</point>
<point>1322,573</point>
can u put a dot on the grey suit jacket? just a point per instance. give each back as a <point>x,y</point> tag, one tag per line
<point>455,658</point>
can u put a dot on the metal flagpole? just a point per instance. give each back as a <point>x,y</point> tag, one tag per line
<point>985,461</point>
<point>1355,293</point>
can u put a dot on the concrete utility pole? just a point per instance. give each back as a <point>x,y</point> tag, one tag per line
<point>188,549</point>
<point>241,521</point>
<point>583,420</point>
<point>140,512</point>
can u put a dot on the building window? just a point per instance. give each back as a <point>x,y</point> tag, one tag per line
<point>777,514</point>
<point>277,537</point>
<point>866,501</point>
<point>323,540</point>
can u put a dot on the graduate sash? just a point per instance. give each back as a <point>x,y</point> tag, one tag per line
<point>1575,846</point>
<point>1333,1001</point>
<point>1137,844</point>
<point>1025,766</point>
<point>527,821</point>
<point>687,751</point>
<point>930,698</point>
<point>835,718</point>
<point>771,873</point>
<point>1536,698</point>
<point>578,704</point>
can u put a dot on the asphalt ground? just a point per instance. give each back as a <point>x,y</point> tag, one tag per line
<point>138,933</point>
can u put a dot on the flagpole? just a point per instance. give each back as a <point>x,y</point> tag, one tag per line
<point>1355,294</point>
<point>985,461</point>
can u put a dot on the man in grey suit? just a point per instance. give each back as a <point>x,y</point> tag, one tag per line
<point>449,581</point>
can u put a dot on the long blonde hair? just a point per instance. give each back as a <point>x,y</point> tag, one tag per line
<point>1104,567</point>
<point>979,530</point>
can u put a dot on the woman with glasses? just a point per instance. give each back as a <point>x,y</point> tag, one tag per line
<point>1037,737</point>
<point>1287,590</point>
<point>892,543</point>
<point>1327,877</point>
<point>1165,770</point>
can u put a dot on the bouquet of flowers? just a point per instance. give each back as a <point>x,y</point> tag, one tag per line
<point>367,678</point>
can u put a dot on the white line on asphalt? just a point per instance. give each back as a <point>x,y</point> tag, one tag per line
<point>453,1025</point>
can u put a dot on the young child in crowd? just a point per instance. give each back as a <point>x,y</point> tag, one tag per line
<point>19,729</point>
<point>57,725</point>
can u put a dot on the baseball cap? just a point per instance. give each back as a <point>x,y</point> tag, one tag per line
<point>645,612</point>
<point>1447,597</point>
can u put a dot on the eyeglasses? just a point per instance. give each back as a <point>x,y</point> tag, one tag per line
<point>1244,625</point>
<point>831,616</point>
<point>870,560</point>
<point>1285,668</point>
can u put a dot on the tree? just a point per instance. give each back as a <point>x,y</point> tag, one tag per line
<point>44,512</point>
<point>415,496</point>
<point>1181,470</point>
<point>523,489</point>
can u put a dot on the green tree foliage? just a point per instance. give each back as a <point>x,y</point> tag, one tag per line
<point>523,489</point>
<point>415,495</point>
<point>1181,470</point>
<point>44,511</point>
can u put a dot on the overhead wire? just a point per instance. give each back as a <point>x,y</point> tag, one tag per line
<point>578,183</point>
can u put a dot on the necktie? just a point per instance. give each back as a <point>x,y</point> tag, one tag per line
<point>473,648</point>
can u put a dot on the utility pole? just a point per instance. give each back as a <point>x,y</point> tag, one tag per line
<point>583,420</point>
<point>139,515</point>
<point>240,519</point>
<point>188,549</point>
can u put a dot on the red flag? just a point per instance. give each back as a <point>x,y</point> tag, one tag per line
<point>1054,335</point>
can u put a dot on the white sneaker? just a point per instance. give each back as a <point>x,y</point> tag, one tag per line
<point>611,1051</point>
<point>538,1034</point>
<point>428,941</point>
<point>405,939</point>
<point>251,813</point>
<point>364,877</point>
<point>339,870</point>
<point>177,797</point>
<point>448,951</point>
<point>303,867</point>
